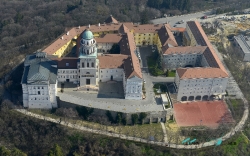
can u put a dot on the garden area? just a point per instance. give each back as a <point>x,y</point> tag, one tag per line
<point>154,64</point>
<point>170,73</point>
<point>236,107</point>
<point>159,88</point>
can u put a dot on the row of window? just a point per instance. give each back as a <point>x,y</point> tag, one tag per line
<point>109,76</point>
<point>67,71</point>
<point>146,34</point>
<point>37,88</point>
<point>201,85</point>
<point>88,64</point>
<point>68,76</point>
<point>89,51</point>
<point>205,80</point>
<point>41,98</point>
<point>182,59</point>
<point>133,95</point>
<point>196,92</point>
<point>110,71</point>
<point>88,76</point>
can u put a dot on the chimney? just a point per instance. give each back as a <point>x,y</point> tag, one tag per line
<point>67,33</point>
<point>89,25</point>
<point>62,37</point>
<point>99,25</point>
<point>79,27</point>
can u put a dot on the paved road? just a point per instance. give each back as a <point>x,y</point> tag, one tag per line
<point>122,136</point>
<point>194,16</point>
<point>173,20</point>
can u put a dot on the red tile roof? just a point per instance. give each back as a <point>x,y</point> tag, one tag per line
<point>166,36</point>
<point>66,62</point>
<point>201,39</point>
<point>191,73</point>
<point>109,38</point>
<point>111,60</point>
<point>111,19</point>
<point>184,50</point>
<point>132,64</point>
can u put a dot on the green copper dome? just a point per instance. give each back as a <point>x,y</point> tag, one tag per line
<point>87,35</point>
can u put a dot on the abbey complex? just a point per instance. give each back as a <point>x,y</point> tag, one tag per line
<point>200,74</point>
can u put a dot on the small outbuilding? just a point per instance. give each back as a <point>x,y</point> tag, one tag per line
<point>165,99</point>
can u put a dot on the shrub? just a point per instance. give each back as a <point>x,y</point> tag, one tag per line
<point>134,118</point>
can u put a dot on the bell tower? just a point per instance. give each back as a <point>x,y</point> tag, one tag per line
<point>89,64</point>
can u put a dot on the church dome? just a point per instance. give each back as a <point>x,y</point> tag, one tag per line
<point>87,35</point>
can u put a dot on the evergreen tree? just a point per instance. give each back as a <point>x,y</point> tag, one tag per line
<point>4,151</point>
<point>134,118</point>
<point>17,152</point>
<point>56,151</point>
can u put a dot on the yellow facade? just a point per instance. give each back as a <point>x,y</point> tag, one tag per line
<point>192,41</point>
<point>145,38</point>
<point>66,48</point>
<point>140,39</point>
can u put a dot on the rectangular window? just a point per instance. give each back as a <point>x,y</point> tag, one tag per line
<point>38,92</point>
<point>67,64</point>
<point>82,65</point>
<point>87,64</point>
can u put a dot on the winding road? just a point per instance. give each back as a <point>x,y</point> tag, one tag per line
<point>122,136</point>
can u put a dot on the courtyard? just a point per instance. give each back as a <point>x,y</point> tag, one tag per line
<point>111,95</point>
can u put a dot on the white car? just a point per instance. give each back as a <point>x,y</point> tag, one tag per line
<point>144,81</point>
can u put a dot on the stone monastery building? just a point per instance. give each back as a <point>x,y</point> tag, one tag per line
<point>43,70</point>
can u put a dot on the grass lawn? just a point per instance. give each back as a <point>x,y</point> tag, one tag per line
<point>44,112</point>
<point>143,131</point>
<point>235,103</point>
<point>171,73</point>
<point>171,125</point>
<point>232,147</point>
<point>237,108</point>
<point>153,67</point>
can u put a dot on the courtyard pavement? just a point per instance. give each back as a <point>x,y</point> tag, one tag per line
<point>110,96</point>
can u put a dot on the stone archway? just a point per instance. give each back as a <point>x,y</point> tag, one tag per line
<point>205,98</point>
<point>197,98</point>
<point>184,98</point>
<point>191,98</point>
